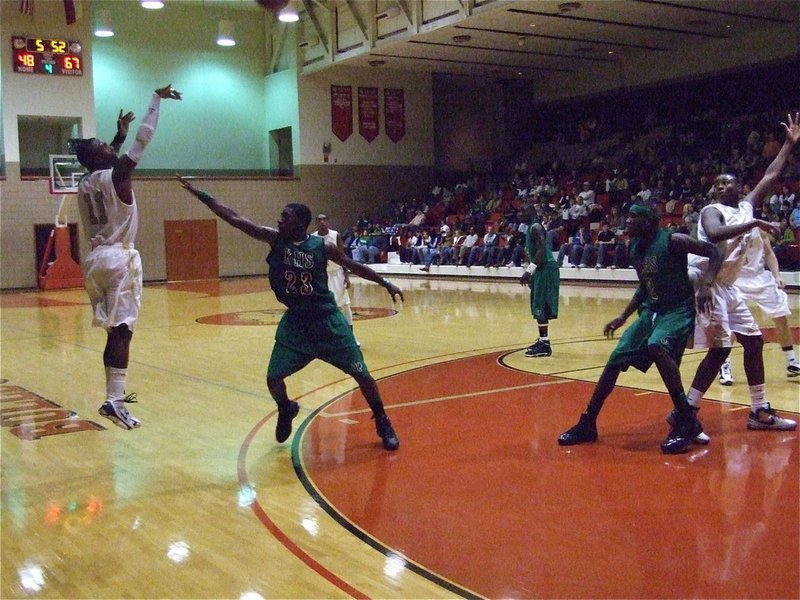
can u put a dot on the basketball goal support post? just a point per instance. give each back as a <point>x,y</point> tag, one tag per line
<point>62,271</point>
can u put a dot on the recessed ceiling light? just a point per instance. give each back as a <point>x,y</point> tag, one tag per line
<point>376,63</point>
<point>460,39</point>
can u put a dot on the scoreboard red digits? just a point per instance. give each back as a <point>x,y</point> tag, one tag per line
<point>47,57</point>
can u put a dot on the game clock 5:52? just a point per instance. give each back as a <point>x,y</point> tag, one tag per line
<point>47,56</point>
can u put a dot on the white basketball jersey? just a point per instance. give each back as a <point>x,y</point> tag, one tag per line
<point>332,237</point>
<point>106,219</point>
<point>734,250</point>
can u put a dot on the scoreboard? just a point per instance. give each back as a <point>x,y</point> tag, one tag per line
<point>47,57</point>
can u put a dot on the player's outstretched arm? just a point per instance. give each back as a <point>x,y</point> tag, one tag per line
<point>333,253</point>
<point>773,171</point>
<point>230,216</point>
<point>680,242</point>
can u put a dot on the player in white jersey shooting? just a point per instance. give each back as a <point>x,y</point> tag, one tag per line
<point>113,269</point>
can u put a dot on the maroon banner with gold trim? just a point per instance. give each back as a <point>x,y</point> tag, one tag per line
<point>368,112</point>
<point>394,114</point>
<point>342,111</point>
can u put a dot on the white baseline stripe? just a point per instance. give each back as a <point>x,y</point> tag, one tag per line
<point>454,397</point>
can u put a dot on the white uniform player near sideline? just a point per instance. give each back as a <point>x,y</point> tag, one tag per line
<point>760,282</point>
<point>729,223</point>
<point>338,279</point>
<point>113,268</point>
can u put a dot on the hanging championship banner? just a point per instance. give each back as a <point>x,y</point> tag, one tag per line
<point>368,113</point>
<point>342,111</point>
<point>394,111</point>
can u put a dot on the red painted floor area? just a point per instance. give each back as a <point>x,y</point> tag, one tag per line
<point>481,495</point>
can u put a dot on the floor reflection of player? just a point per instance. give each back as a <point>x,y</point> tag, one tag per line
<point>753,499</point>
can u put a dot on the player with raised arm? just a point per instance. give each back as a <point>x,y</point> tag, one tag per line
<point>113,268</point>
<point>729,223</point>
<point>312,326</point>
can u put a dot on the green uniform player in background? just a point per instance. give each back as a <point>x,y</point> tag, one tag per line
<point>666,302</point>
<point>313,326</point>
<point>544,278</point>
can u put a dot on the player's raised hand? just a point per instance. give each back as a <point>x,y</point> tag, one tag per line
<point>123,120</point>
<point>168,92</point>
<point>792,128</point>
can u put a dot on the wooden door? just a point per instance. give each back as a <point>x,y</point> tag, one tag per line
<point>191,249</point>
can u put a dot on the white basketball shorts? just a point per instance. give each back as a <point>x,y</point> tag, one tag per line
<point>113,281</point>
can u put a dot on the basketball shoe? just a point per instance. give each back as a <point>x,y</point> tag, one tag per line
<point>284,427</point>
<point>115,412</point>
<point>767,418</point>
<point>793,369</point>
<point>539,348</point>
<point>726,373</point>
<point>386,432</point>
<point>585,431</point>
<point>700,436</point>
<point>682,434</point>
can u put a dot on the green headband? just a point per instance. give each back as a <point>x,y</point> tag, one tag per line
<point>645,211</point>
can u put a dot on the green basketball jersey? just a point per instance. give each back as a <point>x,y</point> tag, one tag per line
<point>536,244</point>
<point>664,276</point>
<point>298,276</point>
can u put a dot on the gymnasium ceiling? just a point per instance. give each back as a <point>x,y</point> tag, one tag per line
<point>528,39</point>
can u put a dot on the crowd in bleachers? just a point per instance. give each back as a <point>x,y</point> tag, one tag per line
<point>482,219</point>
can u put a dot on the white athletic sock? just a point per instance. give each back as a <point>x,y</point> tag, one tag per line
<point>693,397</point>
<point>758,397</point>
<point>791,359</point>
<point>115,383</point>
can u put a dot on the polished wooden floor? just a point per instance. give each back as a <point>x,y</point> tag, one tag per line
<point>479,501</point>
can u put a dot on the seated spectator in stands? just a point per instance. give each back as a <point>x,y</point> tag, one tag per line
<point>378,245</point>
<point>602,247</point>
<point>414,240</point>
<point>671,206</point>
<point>450,256</point>
<point>781,204</point>
<point>363,252</point>
<point>587,193</point>
<point>418,250</point>
<point>787,237</point>
<point>419,219</point>
<point>574,247</point>
<point>644,193</point>
<point>430,245</point>
<point>465,250</point>
<point>442,252</point>
<point>577,212</point>
<point>491,247</point>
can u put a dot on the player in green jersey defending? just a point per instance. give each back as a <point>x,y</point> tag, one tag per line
<point>313,326</point>
<point>665,300</point>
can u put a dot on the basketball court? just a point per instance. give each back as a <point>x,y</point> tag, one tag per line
<point>479,501</point>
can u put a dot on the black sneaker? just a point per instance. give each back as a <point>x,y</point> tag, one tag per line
<point>681,434</point>
<point>284,427</point>
<point>700,436</point>
<point>585,431</point>
<point>539,348</point>
<point>386,432</point>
